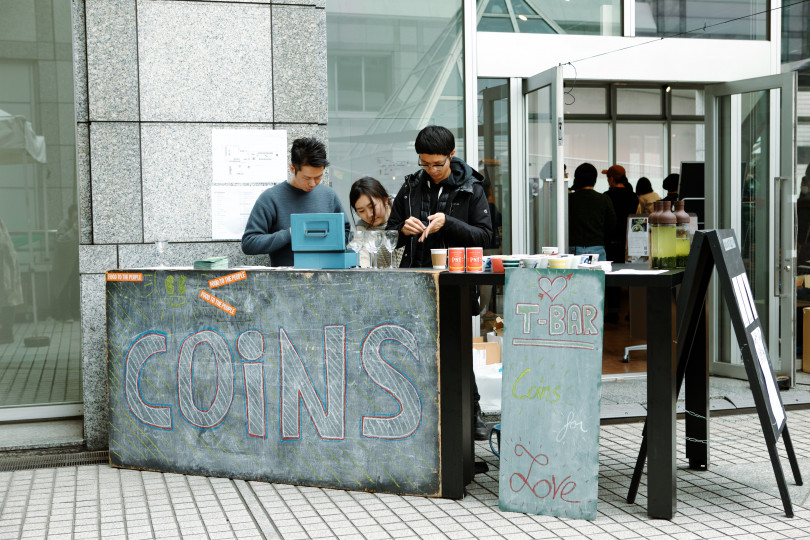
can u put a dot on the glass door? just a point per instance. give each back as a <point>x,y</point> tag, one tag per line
<point>547,193</point>
<point>750,137</point>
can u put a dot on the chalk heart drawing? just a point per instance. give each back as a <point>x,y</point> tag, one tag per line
<point>552,288</point>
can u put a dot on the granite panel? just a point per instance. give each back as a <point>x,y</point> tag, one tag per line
<point>83,180</point>
<point>299,64</point>
<point>205,62</point>
<point>184,254</point>
<point>177,171</point>
<point>94,360</point>
<point>112,60</point>
<point>79,61</point>
<point>97,259</point>
<point>116,182</point>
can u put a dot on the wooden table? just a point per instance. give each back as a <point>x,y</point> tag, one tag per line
<point>454,290</point>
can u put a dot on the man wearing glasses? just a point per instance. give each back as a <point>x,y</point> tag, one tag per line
<point>441,205</point>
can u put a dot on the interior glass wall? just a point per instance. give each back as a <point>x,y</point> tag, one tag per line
<point>393,68</point>
<point>715,19</point>
<point>494,157</point>
<point>600,18</point>
<point>39,262</point>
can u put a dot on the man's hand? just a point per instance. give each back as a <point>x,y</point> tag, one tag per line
<point>412,227</point>
<point>437,221</point>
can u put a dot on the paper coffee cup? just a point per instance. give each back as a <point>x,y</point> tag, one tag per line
<point>557,262</point>
<point>439,258</point>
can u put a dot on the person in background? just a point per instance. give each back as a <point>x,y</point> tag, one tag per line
<point>372,204</point>
<point>442,205</point>
<point>268,227</point>
<point>671,185</point>
<point>625,203</point>
<point>11,294</point>
<point>590,214</point>
<point>646,196</point>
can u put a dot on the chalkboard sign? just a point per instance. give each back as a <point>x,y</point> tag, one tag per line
<point>552,379</point>
<point>323,378</point>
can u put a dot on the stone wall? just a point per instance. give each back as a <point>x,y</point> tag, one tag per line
<point>152,79</point>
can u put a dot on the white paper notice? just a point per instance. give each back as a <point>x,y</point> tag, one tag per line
<point>230,209</point>
<point>242,156</point>
<point>767,375</point>
<point>638,243</point>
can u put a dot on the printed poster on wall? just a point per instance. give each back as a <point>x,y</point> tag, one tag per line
<point>242,156</point>
<point>552,378</point>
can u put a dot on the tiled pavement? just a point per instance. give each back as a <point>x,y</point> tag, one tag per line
<point>736,498</point>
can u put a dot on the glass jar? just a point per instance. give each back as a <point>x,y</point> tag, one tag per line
<point>683,235</point>
<point>667,229</point>
<point>652,226</point>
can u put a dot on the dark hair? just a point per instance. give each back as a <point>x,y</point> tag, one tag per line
<point>371,188</point>
<point>643,186</point>
<point>585,176</point>
<point>671,182</point>
<point>308,151</point>
<point>435,140</point>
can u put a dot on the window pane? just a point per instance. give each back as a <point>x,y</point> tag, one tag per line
<point>601,18</point>
<point>640,150</point>
<point>587,143</point>
<point>584,100</point>
<point>638,101</point>
<point>40,357</point>
<point>494,155</point>
<point>687,143</point>
<point>390,87</point>
<point>687,102</point>
<point>718,19</point>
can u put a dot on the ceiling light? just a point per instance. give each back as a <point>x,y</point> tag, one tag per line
<point>667,89</point>
<point>523,17</point>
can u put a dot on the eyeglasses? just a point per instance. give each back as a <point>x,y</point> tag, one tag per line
<point>434,167</point>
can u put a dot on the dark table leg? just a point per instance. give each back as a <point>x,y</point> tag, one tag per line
<point>661,399</point>
<point>455,372</point>
<point>696,395</point>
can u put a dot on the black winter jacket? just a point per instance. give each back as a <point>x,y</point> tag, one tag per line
<point>468,223</point>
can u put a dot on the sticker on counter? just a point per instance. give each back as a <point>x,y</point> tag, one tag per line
<point>216,302</point>
<point>225,280</point>
<point>124,276</point>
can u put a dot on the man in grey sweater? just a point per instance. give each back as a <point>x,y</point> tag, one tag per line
<point>268,227</point>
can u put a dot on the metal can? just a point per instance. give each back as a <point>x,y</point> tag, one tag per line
<point>455,258</point>
<point>475,259</point>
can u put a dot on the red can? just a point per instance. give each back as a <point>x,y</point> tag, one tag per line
<point>475,259</point>
<point>455,258</point>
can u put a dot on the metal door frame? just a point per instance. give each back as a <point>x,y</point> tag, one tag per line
<point>782,251</point>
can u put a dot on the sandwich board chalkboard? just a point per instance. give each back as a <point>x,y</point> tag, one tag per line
<point>718,249</point>
<point>552,379</point>
<point>327,378</point>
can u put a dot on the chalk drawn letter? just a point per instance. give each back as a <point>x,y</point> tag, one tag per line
<point>589,314</point>
<point>297,386</point>
<point>223,393</point>
<point>526,310</point>
<point>406,421</point>
<point>142,349</point>
<point>250,346</point>
<point>556,315</point>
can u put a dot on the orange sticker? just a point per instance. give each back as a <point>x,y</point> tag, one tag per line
<point>216,302</point>
<point>224,280</point>
<point>123,276</point>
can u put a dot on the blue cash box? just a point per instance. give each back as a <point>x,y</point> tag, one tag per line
<point>319,242</point>
<point>318,232</point>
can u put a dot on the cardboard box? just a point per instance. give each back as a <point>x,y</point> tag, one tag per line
<point>478,339</point>
<point>806,340</point>
<point>493,351</point>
